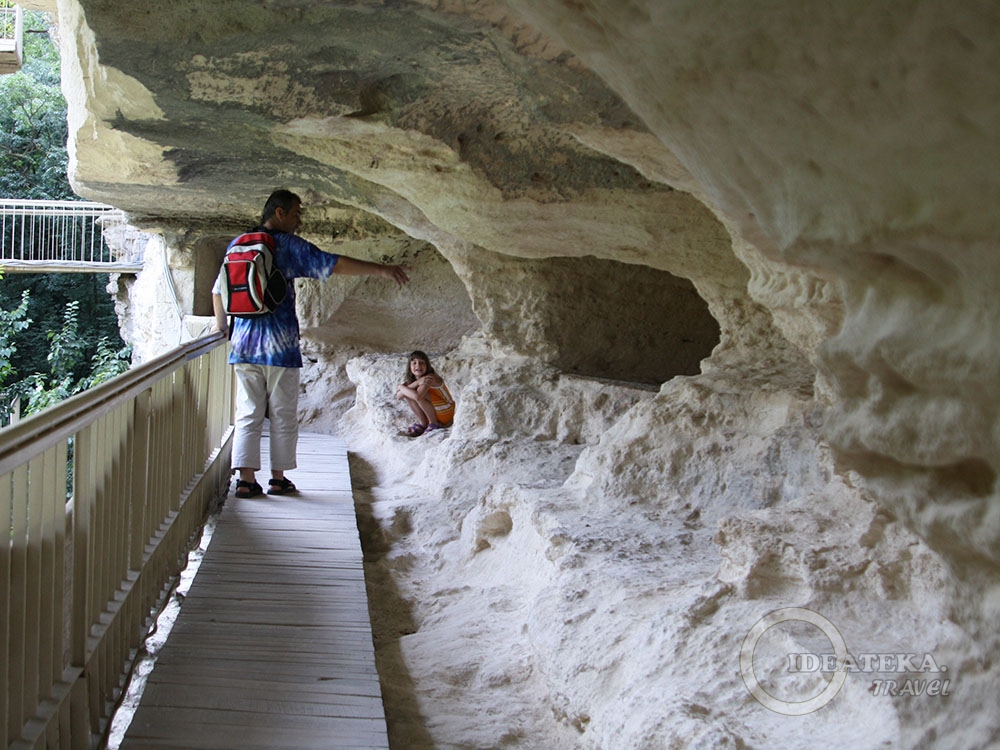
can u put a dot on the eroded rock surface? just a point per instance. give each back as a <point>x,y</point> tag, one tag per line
<point>715,285</point>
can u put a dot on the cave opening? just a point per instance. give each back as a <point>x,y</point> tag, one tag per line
<point>626,322</point>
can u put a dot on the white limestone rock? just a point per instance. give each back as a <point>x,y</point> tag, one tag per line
<point>577,561</point>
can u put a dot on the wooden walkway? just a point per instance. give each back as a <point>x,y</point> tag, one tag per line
<point>273,647</point>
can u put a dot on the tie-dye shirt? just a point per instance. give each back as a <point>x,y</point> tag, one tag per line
<point>274,339</point>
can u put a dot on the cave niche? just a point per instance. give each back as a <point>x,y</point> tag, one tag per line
<point>207,253</point>
<point>626,322</point>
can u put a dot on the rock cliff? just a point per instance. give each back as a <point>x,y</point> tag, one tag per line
<point>715,285</point>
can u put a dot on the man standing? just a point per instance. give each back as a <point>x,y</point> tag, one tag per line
<point>265,349</point>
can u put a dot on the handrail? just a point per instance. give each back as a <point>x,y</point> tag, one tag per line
<point>31,436</point>
<point>40,236</point>
<point>144,454</point>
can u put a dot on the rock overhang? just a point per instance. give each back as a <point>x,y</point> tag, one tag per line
<point>821,177</point>
<point>458,128</point>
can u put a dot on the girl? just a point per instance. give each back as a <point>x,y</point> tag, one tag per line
<point>428,396</point>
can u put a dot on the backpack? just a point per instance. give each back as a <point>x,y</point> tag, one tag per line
<point>249,282</point>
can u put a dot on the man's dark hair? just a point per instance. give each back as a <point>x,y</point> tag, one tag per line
<point>280,198</point>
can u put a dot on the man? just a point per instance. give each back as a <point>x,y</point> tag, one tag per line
<point>265,350</point>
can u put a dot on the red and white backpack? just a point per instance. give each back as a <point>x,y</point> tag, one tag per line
<point>249,282</point>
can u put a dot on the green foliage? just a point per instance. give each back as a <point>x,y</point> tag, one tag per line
<point>33,128</point>
<point>49,294</point>
<point>11,322</point>
<point>66,349</point>
<point>66,357</point>
<point>49,349</point>
<point>107,363</point>
<point>42,394</point>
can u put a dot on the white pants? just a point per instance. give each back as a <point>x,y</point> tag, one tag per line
<point>276,390</point>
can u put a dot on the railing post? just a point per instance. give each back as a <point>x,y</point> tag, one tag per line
<point>50,630</point>
<point>175,425</point>
<point>140,484</point>
<point>83,501</point>
<point>18,595</point>
<point>8,727</point>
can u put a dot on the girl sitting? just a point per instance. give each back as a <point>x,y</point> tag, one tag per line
<point>428,396</point>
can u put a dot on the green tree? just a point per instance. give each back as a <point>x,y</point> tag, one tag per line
<point>11,322</point>
<point>66,357</point>
<point>106,363</point>
<point>45,351</point>
<point>49,294</point>
<point>33,127</point>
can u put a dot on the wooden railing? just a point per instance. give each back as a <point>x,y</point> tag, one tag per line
<point>103,495</point>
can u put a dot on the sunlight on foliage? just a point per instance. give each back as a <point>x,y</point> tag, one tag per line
<point>33,129</point>
<point>44,359</point>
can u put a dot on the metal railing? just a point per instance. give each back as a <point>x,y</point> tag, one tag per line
<point>11,36</point>
<point>44,236</point>
<point>143,455</point>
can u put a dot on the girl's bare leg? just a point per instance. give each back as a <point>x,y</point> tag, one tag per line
<point>424,402</point>
<point>421,417</point>
<point>420,404</point>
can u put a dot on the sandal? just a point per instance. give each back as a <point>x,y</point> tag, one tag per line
<point>415,430</point>
<point>247,489</point>
<point>434,426</point>
<point>280,486</point>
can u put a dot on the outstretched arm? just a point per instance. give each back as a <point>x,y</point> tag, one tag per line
<point>348,266</point>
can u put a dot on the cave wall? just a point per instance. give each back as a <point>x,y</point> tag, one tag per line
<point>715,285</point>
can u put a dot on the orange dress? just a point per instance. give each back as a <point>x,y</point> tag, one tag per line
<point>443,403</point>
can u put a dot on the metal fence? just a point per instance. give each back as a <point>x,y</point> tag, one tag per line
<point>11,33</point>
<point>10,20</point>
<point>67,236</point>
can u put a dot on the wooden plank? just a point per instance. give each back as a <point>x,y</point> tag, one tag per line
<point>322,655</point>
<point>252,698</point>
<point>298,556</point>
<point>280,636</point>
<point>266,682</point>
<point>273,644</point>
<point>293,563</point>
<point>232,597</point>
<point>240,649</point>
<point>319,677</point>
<point>163,722</point>
<point>340,664</point>
<point>290,619</point>
<point>199,728</point>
